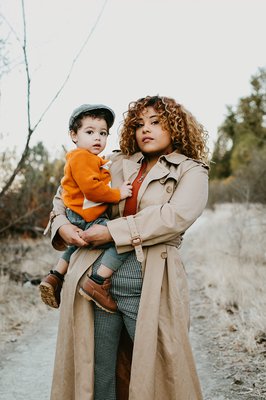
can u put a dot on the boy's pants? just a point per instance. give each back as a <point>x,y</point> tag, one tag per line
<point>111,258</point>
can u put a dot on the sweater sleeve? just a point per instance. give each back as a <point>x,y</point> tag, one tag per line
<point>86,172</point>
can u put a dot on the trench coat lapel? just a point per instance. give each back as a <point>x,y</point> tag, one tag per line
<point>130,171</point>
<point>132,166</point>
<point>159,171</point>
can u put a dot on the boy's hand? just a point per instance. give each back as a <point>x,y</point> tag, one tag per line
<point>125,190</point>
<point>96,235</point>
<point>71,234</point>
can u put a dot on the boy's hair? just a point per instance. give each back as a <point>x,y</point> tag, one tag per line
<point>94,111</point>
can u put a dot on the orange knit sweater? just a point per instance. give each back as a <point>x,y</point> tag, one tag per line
<point>85,184</point>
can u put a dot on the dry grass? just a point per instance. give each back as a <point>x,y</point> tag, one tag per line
<point>20,303</point>
<point>229,249</point>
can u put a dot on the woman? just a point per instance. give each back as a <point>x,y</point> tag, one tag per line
<point>163,149</point>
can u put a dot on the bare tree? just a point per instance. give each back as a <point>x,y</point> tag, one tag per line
<point>4,61</point>
<point>31,128</point>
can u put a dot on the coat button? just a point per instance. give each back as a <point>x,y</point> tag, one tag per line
<point>164,254</point>
<point>168,189</point>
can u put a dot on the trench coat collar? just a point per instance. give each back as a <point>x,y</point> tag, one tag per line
<point>160,170</point>
<point>174,158</point>
<point>132,165</point>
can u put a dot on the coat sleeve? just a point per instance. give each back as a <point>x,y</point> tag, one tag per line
<point>57,219</point>
<point>162,223</point>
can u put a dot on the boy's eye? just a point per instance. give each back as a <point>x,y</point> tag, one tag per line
<point>90,132</point>
<point>104,133</point>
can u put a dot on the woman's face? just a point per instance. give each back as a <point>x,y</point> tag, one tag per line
<point>150,136</point>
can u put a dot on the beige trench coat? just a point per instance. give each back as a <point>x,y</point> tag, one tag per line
<point>172,196</point>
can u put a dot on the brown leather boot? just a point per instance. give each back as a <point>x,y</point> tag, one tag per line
<point>99,294</point>
<point>50,288</point>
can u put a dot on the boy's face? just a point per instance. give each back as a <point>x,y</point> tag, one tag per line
<point>92,135</point>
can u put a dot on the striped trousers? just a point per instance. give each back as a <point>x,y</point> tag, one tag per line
<point>126,290</point>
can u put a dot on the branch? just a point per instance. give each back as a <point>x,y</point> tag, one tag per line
<point>10,27</point>
<point>12,223</point>
<point>30,129</point>
<point>72,66</point>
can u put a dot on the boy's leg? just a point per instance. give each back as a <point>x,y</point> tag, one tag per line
<point>96,288</point>
<point>99,294</point>
<point>51,286</point>
<point>111,261</point>
<point>76,219</point>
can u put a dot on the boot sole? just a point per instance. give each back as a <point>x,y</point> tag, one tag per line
<point>89,298</point>
<point>47,295</point>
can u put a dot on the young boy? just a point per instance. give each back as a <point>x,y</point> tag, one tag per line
<point>86,194</point>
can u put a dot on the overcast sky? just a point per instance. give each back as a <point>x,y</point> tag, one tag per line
<point>201,52</point>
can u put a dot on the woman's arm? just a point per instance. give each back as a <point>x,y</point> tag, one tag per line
<point>164,222</point>
<point>63,233</point>
<point>71,235</point>
<point>97,235</point>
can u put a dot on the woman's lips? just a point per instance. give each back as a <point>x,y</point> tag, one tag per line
<point>147,139</point>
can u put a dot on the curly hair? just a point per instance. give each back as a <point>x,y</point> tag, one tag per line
<point>188,136</point>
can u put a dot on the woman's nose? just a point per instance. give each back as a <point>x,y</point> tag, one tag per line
<point>146,128</point>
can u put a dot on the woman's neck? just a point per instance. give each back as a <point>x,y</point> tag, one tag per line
<point>150,162</point>
<point>151,159</point>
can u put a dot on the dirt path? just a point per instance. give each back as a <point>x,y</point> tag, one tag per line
<point>26,366</point>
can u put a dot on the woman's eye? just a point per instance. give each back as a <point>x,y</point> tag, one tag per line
<point>139,125</point>
<point>156,122</point>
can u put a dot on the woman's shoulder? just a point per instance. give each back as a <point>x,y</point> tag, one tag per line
<point>115,156</point>
<point>198,163</point>
<point>178,159</point>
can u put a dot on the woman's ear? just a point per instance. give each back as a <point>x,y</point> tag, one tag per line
<point>73,136</point>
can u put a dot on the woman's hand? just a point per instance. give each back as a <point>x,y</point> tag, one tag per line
<point>97,235</point>
<point>71,234</point>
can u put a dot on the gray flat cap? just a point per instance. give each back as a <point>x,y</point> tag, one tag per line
<point>91,107</point>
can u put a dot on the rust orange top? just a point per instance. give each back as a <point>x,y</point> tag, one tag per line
<point>131,202</point>
<point>86,184</point>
